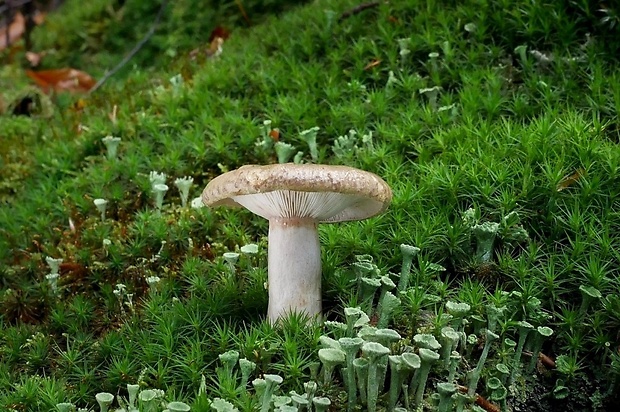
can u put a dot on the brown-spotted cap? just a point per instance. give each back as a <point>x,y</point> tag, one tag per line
<point>321,192</point>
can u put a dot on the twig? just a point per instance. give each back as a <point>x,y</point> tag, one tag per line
<point>482,402</point>
<point>29,10</point>
<point>357,10</point>
<point>133,52</point>
<point>546,360</point>
<point>242,10</point>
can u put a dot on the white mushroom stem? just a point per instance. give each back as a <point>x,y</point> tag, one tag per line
<point>294,267</point>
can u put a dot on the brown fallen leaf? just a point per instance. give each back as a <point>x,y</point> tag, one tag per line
<point>38,18</point>
<point>34,58</point>
<point>216,40</point>
<point>215,48</point>
<point>372,64</point>
<point>275,134</point>
<point>67,79</point>
<point>569,180</point>
<point>219,31</point>
<point>17,28</point>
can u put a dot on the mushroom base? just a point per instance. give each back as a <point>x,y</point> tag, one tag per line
<point>294,268</point>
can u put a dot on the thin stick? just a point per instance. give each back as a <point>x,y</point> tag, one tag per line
<point>8,19</point>
<point>357,10</point>
<point>245,15</point>
<point>133,52</point>
<point>480,401</point>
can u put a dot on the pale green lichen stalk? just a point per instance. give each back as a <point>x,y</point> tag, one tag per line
<point>221,405</point>
<point>355,318</point>
<point>410,364</point>
<point>104,399</point>
<point>330,357</point>
<point>588,295</point>
<point>427,358</point>
<point>321,404</point>
<point>159,191</point>
<point>475,374</point>
<point>265,130</point>
<point>148,399</point>
<point>409,252</point>
<point>184,184</point>
<point>284,151</point>
<point>132,391</point>
<point>65,407</point>
<point>449,340</point>
<point>250,249</point>
<point>101,205</point>
<point>351,347</point>
<point>310,388</point>
<point>309,136</point>
<point>299,401</point>
<point>485,235</point>
<point>361,372</point>
<point>272,382</point>
<point>111,144</point>
<point>374,352</point>
<point>231,259</point>
<point>388,305</point>
<point>54,264</point>
<point>178,407</point>
<point>345,145</point>
<point>432,95</point>
<point>229,360</point>
<point>395,362</point>
<point>52,277</point>
<point>247,367</point>
<point>543,332</point>
<point>427,341</point>
<point>386,286</point>
<point>157,178</point>
<point>446,390</point>
<point>524,329</point>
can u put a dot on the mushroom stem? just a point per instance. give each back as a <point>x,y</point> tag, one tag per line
<point>294,267</point>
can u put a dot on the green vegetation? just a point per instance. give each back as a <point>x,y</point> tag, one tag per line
<point>494,122</point>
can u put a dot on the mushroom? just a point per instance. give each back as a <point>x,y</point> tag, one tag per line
<point>295,198</point>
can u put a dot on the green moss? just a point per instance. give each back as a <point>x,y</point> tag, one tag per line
<point>508,134</point>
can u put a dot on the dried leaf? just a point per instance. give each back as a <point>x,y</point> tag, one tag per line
<point>275,134</point>
<point>569,180</point>
<point>215,48</point>
<point>216,39</point>
<point>38,18</point>
<point>220,32</point>
<point>15,30</point>
<point>34,58</point>
<point>372,64</point>
<point>67,79</point>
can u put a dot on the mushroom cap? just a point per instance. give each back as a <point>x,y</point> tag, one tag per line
<point>322,192</point>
